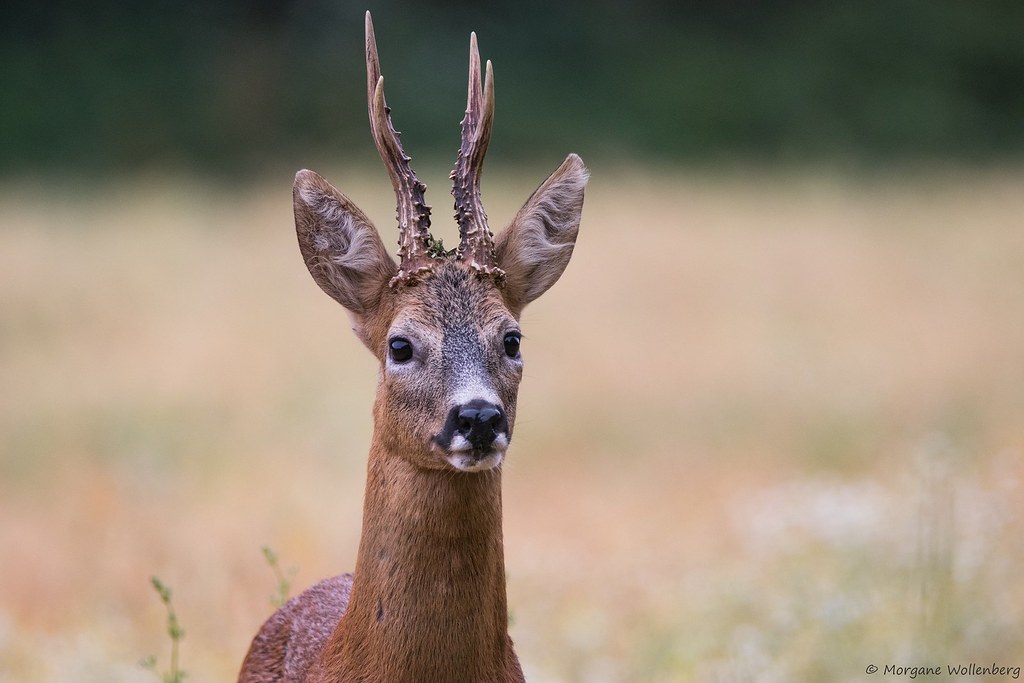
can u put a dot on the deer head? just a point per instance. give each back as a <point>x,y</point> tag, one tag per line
<point>443,325</point>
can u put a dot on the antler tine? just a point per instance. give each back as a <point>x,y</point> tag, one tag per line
<point>412,211</point>
<point>476,246</point>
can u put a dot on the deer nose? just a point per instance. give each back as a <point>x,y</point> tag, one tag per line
<point>480,423</point>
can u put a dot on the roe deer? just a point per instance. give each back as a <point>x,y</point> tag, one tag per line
<point>427,600</point>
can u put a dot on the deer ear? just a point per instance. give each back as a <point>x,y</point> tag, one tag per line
<point>535,248</point>
<point>340,246</point>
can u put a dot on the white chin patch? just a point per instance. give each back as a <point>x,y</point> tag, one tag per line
<point>469,462</point>
<point>463,458</point>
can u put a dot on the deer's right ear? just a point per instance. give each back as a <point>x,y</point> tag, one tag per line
<point>340,246</point>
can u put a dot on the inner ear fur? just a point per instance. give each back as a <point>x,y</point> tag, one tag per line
<point>536,246</point>
<point>340,246</point>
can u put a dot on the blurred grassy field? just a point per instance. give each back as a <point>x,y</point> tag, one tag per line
<point>771,428</point>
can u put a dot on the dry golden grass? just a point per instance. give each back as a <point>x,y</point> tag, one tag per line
<point>770,429</point>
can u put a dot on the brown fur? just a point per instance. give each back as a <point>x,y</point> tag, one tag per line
<point>430,560</point>
<point>291,640</point>
<point>427,601</point>
<point>433,609</point>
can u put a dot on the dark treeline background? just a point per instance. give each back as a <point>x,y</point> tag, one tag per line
<point>229,86</point>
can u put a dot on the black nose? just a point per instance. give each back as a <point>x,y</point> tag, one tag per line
<point>479,422</point>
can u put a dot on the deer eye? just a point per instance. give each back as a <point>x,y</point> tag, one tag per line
<point>512,340</point>
<point>400,349</point>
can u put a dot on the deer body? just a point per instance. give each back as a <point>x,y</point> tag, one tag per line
<point>433,610</point>
<point>427,600</point>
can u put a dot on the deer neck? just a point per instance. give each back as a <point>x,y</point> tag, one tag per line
<point>428,599</point>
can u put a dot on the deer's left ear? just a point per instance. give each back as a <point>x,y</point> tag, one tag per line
<point>536,246</point>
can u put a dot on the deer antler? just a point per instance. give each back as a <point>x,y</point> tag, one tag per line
<point>412,211</point>
<point>476,246</point>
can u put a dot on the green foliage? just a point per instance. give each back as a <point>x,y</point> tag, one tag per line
<point>176,633</point>
<point>437,250</point>
<point>284,583</point>
<point>230,85</point>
